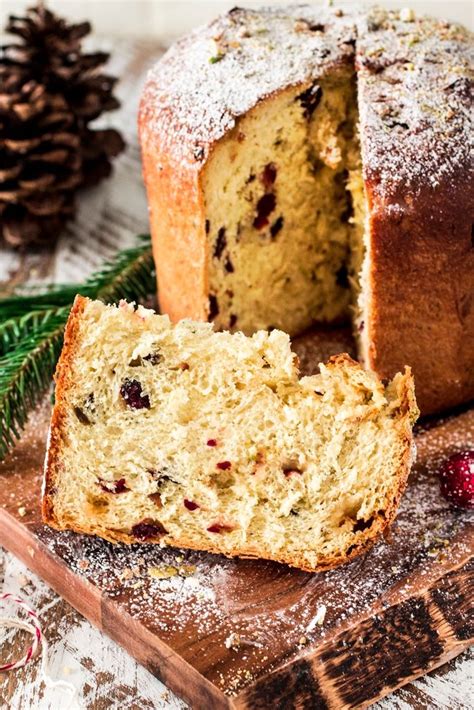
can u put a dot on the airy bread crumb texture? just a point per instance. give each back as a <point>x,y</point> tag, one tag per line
<point>193,438</point>
<point>285,207</point>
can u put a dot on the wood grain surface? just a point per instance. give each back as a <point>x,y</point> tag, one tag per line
<point>242,633</point>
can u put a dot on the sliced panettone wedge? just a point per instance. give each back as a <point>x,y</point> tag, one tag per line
<point>179,435</point>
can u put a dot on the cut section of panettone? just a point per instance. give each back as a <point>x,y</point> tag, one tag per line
<point>183,436</point>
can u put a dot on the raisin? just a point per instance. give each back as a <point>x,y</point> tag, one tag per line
<point>268,175</point>
<point>213,307</point>
<point>207,226</point>
<point>190,505</point>
<point>223,465</point>
<point>219,527</point>
<point>310,99</point>
<point>131,391</point>
<point>342,277</point>
<point>250,178</point>
<point>276,227</point>
<point>317,27</point>
<point>228,266</point>
<point>221,243</point>
<point>80,414</point>
<point>232,320</point>
<point>113,486</point>
<point>212,442</point>
<point>265,206</point>
<point>156,498</point>
<point>148,529</point>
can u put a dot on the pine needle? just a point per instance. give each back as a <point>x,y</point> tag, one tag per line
<point>32,327</point>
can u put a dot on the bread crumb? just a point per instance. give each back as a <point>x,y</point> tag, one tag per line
<point>83,564</point>
<point>22,511</point>
<point>126,573</point>
<point>303,640</point>
<point>232,641</point>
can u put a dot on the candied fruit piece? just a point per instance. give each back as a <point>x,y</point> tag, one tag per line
<point>190,505</point>
<point>219,528</point>
<point>113,486</point>
<point>223,465</point>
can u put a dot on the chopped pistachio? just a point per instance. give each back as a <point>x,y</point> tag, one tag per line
<point>162,572</point>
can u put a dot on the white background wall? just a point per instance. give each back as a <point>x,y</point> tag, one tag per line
<point>169,18</point>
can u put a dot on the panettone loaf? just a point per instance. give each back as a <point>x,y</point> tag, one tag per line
<point>193,438</point>
<point>307,164</point>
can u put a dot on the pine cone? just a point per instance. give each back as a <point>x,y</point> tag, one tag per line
<point>49,94</point>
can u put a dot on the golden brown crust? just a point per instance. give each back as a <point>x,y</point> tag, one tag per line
<point>406,413</point>
<point>63,381</point>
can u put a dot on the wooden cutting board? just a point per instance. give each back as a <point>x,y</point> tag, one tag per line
<point>253,634</point>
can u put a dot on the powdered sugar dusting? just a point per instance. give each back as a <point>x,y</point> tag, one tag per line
<point>218,72</point>
<point>415,103</point>
<point>415,95</point>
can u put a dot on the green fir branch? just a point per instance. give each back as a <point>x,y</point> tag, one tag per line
<point>32,327</point>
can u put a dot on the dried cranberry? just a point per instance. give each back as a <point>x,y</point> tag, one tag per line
<point>457,479</point>
<point>148,529</point>
<point>113,486</point>
<point>212,442</point>
<point>219,527</point>
<point>223,465</point>
<point>190,505</point>
<point>268,175</point>
<point>265,206</point>
<point>131,391</point>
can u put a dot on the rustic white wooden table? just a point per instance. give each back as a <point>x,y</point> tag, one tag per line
<point>104,675</point>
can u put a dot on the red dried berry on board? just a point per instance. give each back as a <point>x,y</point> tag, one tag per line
<point>148,529</point>
<point>223,465</point>
<point>219,527</point>
<point>212,442</point>
<point>190,505</point>
<point>131,391</point>
<point>457,479</point>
